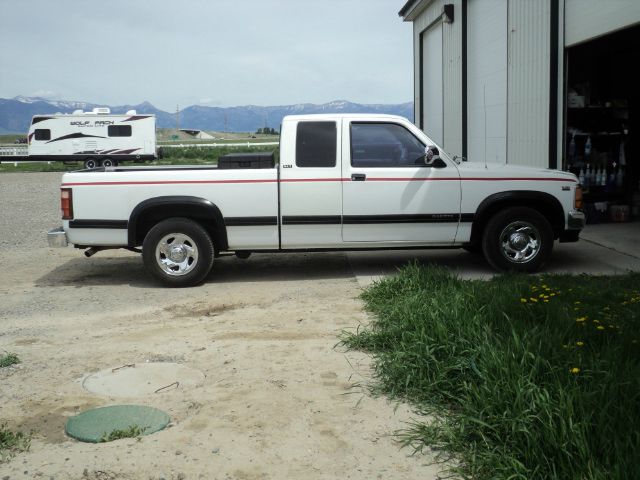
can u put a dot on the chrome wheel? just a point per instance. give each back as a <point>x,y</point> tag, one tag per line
<point>176,254</point>
<point>520,242</point>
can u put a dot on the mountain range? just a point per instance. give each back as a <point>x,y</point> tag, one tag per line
<point>16,113</point>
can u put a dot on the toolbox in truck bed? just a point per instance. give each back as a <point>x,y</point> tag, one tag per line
<point>247,160</point>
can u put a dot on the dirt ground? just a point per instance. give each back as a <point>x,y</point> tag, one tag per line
<point>280,398</point>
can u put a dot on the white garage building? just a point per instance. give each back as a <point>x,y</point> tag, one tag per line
<point>548,83</point>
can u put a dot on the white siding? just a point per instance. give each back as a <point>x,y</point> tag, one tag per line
<point>528,83</point>
<point>487,80</point>
<point>452,77</point>
<point>587,19</point>
<point>432,107</point>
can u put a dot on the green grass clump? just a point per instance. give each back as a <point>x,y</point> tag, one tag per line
<point>8,359</point>
<point>527,377</point>
<point>12,443</point>
<point>131,432</point>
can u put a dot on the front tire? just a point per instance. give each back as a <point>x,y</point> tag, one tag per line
<point>178,252</point>
<point>517,239</point>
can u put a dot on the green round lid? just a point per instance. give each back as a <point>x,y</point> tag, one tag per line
<point>118,421</point>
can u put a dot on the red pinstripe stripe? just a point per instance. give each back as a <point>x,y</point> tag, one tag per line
<point>165,182</point>
<point>310,180</point>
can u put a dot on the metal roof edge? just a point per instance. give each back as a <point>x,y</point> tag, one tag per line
<point>412,8</point>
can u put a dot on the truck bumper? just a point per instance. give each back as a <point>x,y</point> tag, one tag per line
<point>576,221</point>
<point>57,238</point>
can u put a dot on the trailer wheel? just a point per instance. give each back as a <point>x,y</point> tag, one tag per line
<point>517,239</point>
<point>107,162</point>
<point>90,163</point>
<point>178,252</point>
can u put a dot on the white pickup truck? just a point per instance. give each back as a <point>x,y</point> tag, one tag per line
<point>343,182</point>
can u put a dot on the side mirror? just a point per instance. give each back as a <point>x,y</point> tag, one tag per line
<point>432,157</point>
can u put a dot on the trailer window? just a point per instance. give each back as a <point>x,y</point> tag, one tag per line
<point>42,134</point>
<point>316,144</point>
<point>119,130</point>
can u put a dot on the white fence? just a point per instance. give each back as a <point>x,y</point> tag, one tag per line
<point>13,150</point>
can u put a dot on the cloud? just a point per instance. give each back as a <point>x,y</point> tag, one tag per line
<point>48,94</point>
<point>209,102</point>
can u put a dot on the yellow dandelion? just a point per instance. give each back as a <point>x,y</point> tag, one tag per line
<point>600,327</point>
<point>580,344</point>
<point>523,300</point>
<point>576,303</point>
<point>581,319</point>
<point>533,299</point>
<point>575,370</point>
<point>596,321</point>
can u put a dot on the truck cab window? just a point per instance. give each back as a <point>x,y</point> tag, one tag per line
<point>384,145</point>
<point>316,144</point>
<point>42,134</point>
<point>119,130</point>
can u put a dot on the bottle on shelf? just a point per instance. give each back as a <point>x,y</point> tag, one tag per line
<point>612,176</point>
<point>572,148</point>
<point>587,148</point>
<point>619,177</point>
<point>587,176</point>
<point>581,178</point>
<point>621,157</point>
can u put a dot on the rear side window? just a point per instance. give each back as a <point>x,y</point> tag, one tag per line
<point>119,130</point>
<point>42,134</point>
<point>316,144</point>
<point>384,145</point>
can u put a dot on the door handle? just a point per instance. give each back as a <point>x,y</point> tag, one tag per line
<point>358,177</point>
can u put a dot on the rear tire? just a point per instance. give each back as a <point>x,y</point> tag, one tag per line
<point>178,252</point>
<point>107,162</point>
<point>517,239</point>
<point>90,163</point>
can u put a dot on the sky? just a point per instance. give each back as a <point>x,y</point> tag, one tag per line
<point>212,53</point>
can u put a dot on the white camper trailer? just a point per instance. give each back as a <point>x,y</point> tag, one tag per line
<point>96,138</point>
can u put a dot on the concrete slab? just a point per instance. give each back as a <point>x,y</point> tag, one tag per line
<point>603,249</point>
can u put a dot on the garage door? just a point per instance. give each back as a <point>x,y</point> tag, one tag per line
<point>587,19</point>
<point>487,81</point>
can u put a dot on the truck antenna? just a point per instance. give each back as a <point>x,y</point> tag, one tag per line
<point>484,104</point>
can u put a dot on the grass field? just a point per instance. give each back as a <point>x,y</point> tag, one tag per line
<point>527,377</point>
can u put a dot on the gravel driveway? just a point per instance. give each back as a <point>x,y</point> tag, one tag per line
<point>278,398</point>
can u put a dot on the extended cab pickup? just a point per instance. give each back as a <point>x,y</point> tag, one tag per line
<point>343,182</point>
